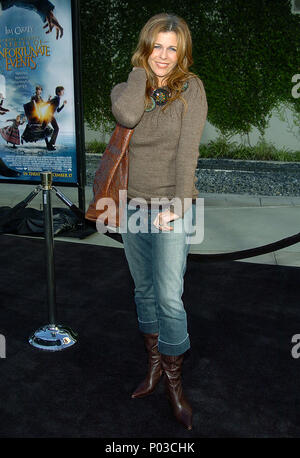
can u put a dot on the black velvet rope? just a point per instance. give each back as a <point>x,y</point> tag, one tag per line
<point>234,255</point>
<point>249,253</point>
<point>199,257</point>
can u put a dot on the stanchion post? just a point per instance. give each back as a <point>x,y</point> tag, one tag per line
<point>51,337</point>
<point>49,245</point>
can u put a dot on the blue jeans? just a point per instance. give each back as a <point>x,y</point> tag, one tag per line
<point>157,263</point>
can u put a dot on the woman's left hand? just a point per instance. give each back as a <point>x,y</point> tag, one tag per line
<point>163,218</point>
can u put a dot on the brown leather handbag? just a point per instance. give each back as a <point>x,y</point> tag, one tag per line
<point>110,177</point>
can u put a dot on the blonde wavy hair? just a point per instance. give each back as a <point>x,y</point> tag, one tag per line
<point>165,22</point>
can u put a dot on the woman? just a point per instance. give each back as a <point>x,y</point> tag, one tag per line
<point>166,105</point>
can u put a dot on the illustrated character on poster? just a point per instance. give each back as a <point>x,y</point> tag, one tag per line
<point>37,97</point>
<point>54,103</point>
<point>41,109</point>
<point>38,114</point>
<point>43,7</point>
<point>11,133</point>
<point>2,109</point>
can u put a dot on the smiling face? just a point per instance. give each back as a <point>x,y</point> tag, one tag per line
<point>164,55</point>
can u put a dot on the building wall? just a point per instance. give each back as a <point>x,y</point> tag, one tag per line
<point>277,133</point>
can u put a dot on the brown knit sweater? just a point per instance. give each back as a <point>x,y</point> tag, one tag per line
<point>164,147</point>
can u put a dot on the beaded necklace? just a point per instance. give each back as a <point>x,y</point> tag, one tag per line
<point>161,95</point>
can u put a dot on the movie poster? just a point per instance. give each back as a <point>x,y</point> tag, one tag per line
<point>37,109</point>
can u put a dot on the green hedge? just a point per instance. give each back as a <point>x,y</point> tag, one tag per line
<point>222,148</point>
<point>245,53</point>
<point>263,151</point>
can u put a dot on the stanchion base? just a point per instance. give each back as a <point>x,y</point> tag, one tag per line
<point>53,338</point>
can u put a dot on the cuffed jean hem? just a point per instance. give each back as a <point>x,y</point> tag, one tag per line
<point>174,349</point>
<point>148,327</point>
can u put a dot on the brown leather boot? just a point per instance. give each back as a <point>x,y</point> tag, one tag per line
<point>181,408</point>
<point>148,385</point>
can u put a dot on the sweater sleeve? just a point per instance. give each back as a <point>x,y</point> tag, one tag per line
<point>187,154</point>
<point>128,98</point>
